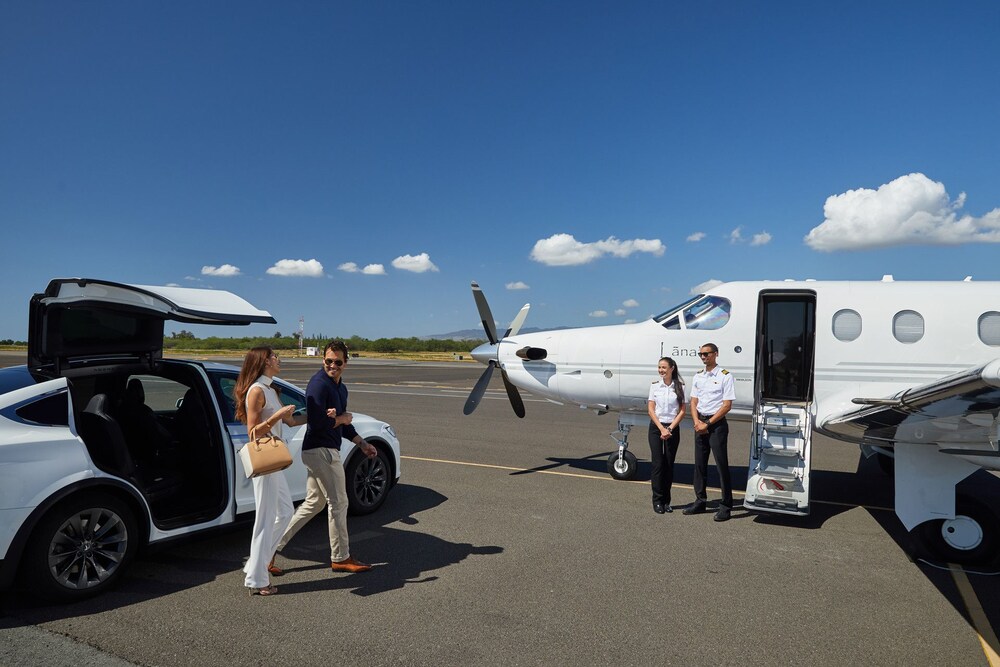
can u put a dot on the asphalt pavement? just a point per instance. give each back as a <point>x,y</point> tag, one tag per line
<point>507,543</point>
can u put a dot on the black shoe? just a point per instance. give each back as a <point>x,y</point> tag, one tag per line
<point>668,509</point>
<point>658,508</point>
<point>697,507</point>
<point>722,514</point>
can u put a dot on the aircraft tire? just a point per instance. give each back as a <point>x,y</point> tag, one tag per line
<point>971,538</point>
<point>624,469</point>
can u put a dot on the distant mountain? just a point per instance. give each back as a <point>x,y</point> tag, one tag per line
<point>479,334</point>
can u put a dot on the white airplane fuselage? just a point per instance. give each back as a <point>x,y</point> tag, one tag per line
<point>611,367</point>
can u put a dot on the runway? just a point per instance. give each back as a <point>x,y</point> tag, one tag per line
<point>507,543</point>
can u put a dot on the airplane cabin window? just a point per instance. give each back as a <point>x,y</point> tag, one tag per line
<point>846,325</point>
<point>708,313</point>
<point>989,328</point>
<point>673,323</point>
<point>908,326</point>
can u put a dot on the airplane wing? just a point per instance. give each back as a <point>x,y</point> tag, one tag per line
<point>957,412</point>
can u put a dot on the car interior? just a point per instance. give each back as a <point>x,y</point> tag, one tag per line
<point>153,428</point>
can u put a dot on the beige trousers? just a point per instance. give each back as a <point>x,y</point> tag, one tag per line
<point>325,487</point>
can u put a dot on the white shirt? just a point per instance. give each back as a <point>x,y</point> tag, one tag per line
<point>711,388</point>
<point>667,404</point>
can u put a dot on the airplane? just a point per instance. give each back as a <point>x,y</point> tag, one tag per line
<point>910,371</point>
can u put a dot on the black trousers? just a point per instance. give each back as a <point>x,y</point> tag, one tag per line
<point>716,441</point>
<point>662,453</point>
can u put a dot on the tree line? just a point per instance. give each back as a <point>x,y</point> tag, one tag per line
<point>185,340</point>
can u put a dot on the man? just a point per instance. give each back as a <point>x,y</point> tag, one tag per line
<point>712,394</point>
<point>328,422</point>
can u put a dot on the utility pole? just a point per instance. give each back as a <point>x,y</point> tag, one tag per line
<point>302,328</point>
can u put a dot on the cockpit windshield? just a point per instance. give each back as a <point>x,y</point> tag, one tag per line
<point>704,312</point>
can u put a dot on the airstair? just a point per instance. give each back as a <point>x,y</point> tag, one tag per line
<point>780,453</point>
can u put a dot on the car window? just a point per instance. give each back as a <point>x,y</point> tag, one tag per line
<point>49,411</point>
<point>161,394</point>
<point>224,385</point>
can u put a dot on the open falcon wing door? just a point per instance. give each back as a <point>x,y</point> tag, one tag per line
<point>80,323</point>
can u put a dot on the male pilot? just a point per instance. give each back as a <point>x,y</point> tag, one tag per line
<point>712,394</point>
<point>328,422</point>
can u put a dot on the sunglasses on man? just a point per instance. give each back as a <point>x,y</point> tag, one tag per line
<point>333,362</point>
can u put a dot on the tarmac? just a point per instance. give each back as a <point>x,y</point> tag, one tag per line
<point>506,542</point>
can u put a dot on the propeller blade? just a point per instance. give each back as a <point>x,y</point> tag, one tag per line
<point>513,395</point>
<point>484,313</point>
<point>515,326</point>
<point>477,392</point>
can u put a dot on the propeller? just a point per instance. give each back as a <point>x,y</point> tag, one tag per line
<point>491,355</point>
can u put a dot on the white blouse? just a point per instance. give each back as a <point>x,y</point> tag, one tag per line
<point>667,404</point>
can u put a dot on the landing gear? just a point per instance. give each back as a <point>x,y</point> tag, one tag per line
<point>622,463</point>
<point>971,538</point>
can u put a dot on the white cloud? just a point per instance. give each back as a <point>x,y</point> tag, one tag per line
<point>694,238</point>
<point>517,285</point>
<point>374,270</point>
<point>416,263</point>
<point>630,321</point>
<point>598,313</point>
<point>761,239</point>
<point>736,236</point>
<point>171,285</point>
<point>701,288</point>
<point>564,250</point>
<point>192,279</point>
<point>297,267</point>
<point>630,303</point>
<point>224,271</point>
<point>912,209</point>
<point>348,267</point>
<point>621,312</point>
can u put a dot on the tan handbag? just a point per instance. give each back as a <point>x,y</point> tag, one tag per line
<point>264,455</point>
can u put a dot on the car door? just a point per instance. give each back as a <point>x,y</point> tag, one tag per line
<point>224,383</point>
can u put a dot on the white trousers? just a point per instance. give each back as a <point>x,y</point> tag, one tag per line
<point>326,486</point>
<point>274,510</point>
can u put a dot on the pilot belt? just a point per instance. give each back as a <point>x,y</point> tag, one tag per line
<point>705,418</point>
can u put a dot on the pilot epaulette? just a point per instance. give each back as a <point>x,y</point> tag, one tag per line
<point>654,381</point>
<point>725,372</point>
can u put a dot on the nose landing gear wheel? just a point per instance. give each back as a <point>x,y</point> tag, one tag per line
<point>971,538</point>
<point>623,467</point>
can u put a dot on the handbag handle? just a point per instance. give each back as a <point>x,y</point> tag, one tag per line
<point>254,428</point>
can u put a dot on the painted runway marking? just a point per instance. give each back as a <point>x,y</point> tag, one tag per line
<point>981,624</point>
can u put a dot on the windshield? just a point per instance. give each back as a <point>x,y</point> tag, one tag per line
<point>704,311</point>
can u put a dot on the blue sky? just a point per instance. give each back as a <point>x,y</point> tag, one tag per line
<point>358,164</point>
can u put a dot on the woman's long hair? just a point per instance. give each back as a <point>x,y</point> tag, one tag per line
<point>253,368</point>
<point>675,378</point>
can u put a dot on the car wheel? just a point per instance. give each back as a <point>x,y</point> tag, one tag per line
<point>81,547</point>
<point>368,482</point>
<point>971,538</point>
<point>623,468</point>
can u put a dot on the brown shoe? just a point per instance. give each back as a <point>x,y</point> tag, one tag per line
<point>274,569</point>
<point>349,565</point>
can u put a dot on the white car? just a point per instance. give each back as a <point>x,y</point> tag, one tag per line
<point>106,447</point>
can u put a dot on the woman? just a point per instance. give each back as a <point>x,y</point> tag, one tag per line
<point>666,410</point>
<point>257,404</point>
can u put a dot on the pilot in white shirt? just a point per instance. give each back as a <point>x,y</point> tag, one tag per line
<point>712,394</point>
<point>666,410</point>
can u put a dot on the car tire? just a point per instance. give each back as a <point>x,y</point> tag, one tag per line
<point>81,547</point>
<point>368,482</point>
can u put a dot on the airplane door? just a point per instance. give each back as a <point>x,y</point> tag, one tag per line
<point>780,447</point>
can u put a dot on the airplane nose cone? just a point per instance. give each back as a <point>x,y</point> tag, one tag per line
<point>484,353</point>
